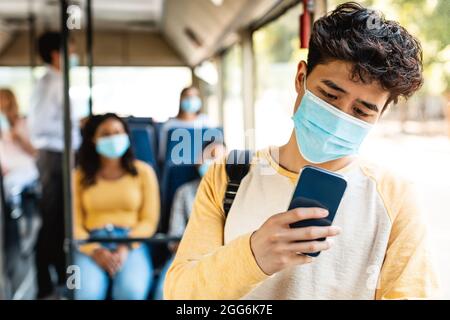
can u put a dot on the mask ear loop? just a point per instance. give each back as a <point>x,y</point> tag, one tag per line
<point>304,83</point>
<point>304,89</point>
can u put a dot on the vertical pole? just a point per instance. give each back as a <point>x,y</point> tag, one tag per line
<point>195,81</point>
<point>305,24</point>
<point>89,49</point>
<point>221,88</point>
<point>248,88</point>
<point>32,40</point>
<point>3,280</point>
<point>67,156</point>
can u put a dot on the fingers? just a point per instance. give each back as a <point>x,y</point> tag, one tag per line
<point>106,265</point>
<point>298,250</point>
<point>311,233</point>
<point>299,259</point>
<point>115,262</point>
<point>119,259</point>
<point>309,246</point>
<point>111,262</point>
<point>112,269</point>
<point>276,245</point>
<point>299,214</point>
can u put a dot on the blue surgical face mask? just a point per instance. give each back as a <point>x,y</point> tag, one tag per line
<point>113,147</point>
<point>4,123</point>
<point>325,133</point>
<point>191,104</point>
<point>203,168</point>
<point>74,60</point>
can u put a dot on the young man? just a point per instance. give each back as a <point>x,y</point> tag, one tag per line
<point>355,70</point>
<point>47,136</point>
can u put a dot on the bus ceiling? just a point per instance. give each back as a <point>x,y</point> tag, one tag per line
<point>138,32</point>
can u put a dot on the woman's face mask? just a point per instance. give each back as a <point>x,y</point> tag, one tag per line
<point>4,123</point>
<point>113,147</point>
<point>325,133</point>
<point>191,104</point>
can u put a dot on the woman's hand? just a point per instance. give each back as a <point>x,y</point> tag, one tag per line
<point>121,255</point>
<point>107,260</point>
<point>276,246</point>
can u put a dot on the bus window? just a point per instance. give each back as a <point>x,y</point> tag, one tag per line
<point>139,91</point>
<point>19,80</point>
<point>233,104</point>
<point>276,54</point>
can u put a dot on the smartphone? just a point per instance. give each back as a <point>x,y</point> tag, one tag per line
<point>318,188</point>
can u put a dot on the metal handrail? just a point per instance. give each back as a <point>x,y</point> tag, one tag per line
<point>89,50</point>
<point>67,121</point>
<point>156,239</point>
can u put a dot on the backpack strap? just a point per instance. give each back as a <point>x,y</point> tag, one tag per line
<point>237,166</point>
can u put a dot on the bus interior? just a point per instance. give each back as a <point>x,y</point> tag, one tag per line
<point>135,57</point>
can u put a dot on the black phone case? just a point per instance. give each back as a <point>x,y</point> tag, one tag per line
<point>318,188</point>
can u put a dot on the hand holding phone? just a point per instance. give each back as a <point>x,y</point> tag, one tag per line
<point>276,246</point>
<point>318,188</point>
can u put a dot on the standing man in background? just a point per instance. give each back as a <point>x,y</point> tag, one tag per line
<point>47,136</point>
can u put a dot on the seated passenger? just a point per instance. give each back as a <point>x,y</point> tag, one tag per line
<point>189,116</point>
<point>183,201</point>
<point>115,196</point>
<point>16,151</point>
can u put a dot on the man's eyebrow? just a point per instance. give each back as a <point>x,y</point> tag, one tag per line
<point>369,105</point>
<point>333,85</point>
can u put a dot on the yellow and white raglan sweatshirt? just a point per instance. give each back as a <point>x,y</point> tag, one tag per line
<point>381,253</point>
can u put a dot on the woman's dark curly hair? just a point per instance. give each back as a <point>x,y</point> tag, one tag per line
<point>89,159</point>
<point>379,49</point>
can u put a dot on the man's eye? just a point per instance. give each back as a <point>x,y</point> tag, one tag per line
<point>360,112</point>
<point>327,95</point>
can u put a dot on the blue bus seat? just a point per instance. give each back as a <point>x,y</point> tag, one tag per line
<point>143,142</point>
<point>174,177</point>
<point>131,121</point>
<point>184,145</point>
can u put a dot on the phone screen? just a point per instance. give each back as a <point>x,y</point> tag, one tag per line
<point>318,188</point>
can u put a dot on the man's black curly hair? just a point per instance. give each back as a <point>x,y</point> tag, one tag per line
<point>378,49</point>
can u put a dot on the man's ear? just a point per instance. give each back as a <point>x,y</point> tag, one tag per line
<point>55,56</point>
<point>299,78</point>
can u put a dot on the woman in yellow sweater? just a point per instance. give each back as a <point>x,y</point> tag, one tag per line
<point>114,196</point>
